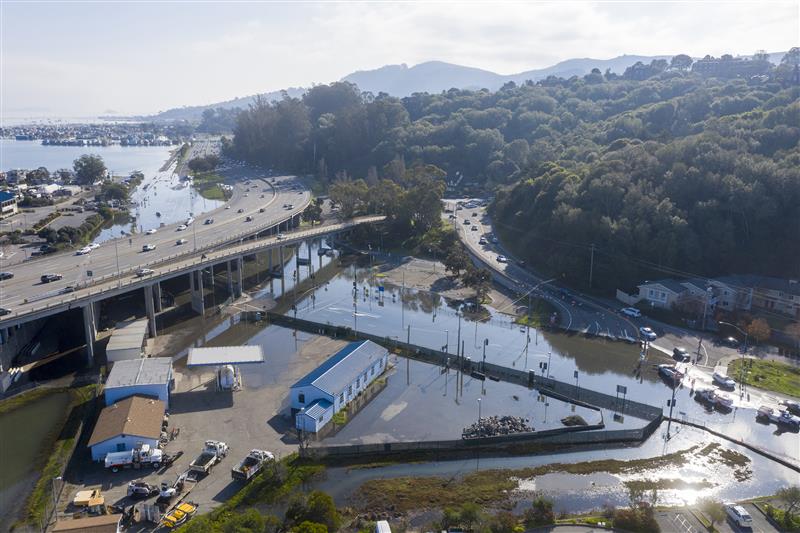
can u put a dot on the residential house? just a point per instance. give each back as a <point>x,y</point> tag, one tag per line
<point>126,425</point>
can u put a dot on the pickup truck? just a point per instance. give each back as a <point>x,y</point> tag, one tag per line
<point>138,456</point>
<point>251,465</point>
<point>213,453</point>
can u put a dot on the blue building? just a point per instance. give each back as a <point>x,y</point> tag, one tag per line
<point>8,204</point>
<point>149,376</point>
<point>335,383</point>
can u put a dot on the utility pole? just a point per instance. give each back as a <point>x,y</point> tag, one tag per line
<point>461,391</point>
<point>591,267</point>
<point>671,405</point>
<point>408,359</point>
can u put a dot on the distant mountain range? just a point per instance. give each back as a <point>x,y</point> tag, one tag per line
<point>434,77</point>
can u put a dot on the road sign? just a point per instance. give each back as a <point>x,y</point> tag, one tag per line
<point>575,374</point>
<point>89,273</point>
<point>622,389</point>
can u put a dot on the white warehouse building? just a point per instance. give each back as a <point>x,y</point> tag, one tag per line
<point>335,383</point>
<point>149,376</point>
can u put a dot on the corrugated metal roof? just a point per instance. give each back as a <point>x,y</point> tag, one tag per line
<point>128,335</point>
<point>136,415</point>
<point>342,368</point>
<point>317,408</point>
<point>145,371</point>
<point>225,355</point>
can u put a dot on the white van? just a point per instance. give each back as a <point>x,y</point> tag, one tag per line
<point>382,526</point>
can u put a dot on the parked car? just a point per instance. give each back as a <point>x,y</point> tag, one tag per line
<point>670,373</point>
<point>6,275</point>
<point>240,210</point>
<point>723,380</point>
<point>648,333</point>
<point>148,247</point>
<point>474,228</point>
<point>142,272</point>
<point>483,241</point>
<point>94,245</point>
<point>502,259</point>
<point>466,222</point>
<point>48,278</point>
<point>475,214</point>
<point>792,406</point>
<point>680,354</point>
<point>631,312</point>
<point>738,515</point>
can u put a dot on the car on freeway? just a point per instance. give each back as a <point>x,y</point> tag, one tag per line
<point>466,222</point>
<point>474,228</point>
<point>151,231</point>
<point>280,236</point>
<point>261,210</point>
<point>83,251</point>
<point>227,207</point>
<point>6,275</point>
<point>648,333</point>
<point>631,312</point>
<point>4,311</point>
<point>182,227</point>
<point>738,515</point>
<point>180,241</point>
<point>142,272</point>
<point>248,218</point>
<point>483,241</point>
<point>148,247</point>
<point>68,288</point>
<point>723,380</point>
<point>208,221</point>
<point>240,210</point>
<point>502,259</point>
<point>48,278</point>
<point>680,354</point>
<point>94,245</point>
<point>289,206</point>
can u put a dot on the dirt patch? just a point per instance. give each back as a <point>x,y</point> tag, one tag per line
<point>738,462</point>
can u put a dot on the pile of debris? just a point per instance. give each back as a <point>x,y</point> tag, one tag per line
<point>492,426</point>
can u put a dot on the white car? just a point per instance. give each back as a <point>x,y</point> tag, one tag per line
<point>502,259</point>
<point>83,251</point>
<point>150,231</point>
<point>182,227</point>
<point>148,247</point>
<point>631,312</point>
<point>648,333</point>
<point>738,515</point>
<point>94,245</point>
<point>280,236</point>
<point>142,272</point>
<point>723,380</point>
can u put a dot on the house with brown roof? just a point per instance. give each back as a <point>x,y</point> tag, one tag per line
<point>126,425</point>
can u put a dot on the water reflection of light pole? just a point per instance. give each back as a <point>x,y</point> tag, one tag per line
<point>479,410</point>
<point>119,276</point>
<point>744,351</point>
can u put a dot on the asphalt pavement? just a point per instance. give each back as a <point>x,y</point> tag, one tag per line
<point>126,253</point>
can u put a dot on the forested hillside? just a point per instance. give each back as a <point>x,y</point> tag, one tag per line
<point>661,166</point>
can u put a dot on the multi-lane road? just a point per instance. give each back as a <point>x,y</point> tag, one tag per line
<point>265,200</point>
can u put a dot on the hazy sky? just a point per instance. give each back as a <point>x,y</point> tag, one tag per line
<point>88,58</point>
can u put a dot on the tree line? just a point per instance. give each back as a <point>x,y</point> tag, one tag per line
<point>660,170</point>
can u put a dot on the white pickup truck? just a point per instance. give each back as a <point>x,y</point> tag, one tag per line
<point>213,453</point>
<point>127,459</point>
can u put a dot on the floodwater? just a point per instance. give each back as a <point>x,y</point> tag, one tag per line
<point>159,192</point>
<point>576,493</point>
<point>20,450</point>
<point>430,320</point>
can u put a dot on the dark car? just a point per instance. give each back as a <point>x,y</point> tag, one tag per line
<point>6,275</point>
<point>47,249</point>
<point>792,406</point>
<point>47,278</point>
<point>680,354</point>
<point>208,221</point>
<point>729,341</point>
<point>4,311</point>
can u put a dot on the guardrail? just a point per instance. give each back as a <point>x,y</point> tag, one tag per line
<point>252,246</point>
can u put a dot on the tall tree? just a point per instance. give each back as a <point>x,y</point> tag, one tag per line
<point>89,169</point>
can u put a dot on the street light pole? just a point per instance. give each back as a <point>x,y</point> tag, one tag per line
<point>741,358</point>
<point>479,410</point>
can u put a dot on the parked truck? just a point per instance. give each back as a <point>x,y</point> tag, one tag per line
<point>212,453</point>
<point>136,458</point>
<point>251,465</point>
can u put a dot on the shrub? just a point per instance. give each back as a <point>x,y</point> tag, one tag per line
<point>540,513</point>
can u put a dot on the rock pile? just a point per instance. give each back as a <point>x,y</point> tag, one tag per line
<point>492,426</point>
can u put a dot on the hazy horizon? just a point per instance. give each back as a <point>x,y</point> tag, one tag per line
<point>128,58</point>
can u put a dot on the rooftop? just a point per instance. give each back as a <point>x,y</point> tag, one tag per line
<point>136,415</point>
<point>317,408</point>
<point>128,335</point>
<point>5,196</point>
<point>145,371</point>
<point>669,284</point>
<point>342,368</point>
<point>225,355</point>
<point>92,524</point>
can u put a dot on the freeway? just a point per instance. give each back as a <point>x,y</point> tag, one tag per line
<point>263,201</point>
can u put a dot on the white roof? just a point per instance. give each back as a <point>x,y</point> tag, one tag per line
<point>144,371</point>
<point>225,355</point>
<point>128,335</point>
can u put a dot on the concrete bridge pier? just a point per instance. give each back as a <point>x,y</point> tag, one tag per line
<point>269,269</point>
<point>229,269</point>
<point>281,265</point>
<point>149,305</point>
<point>157,296</point>
<point>196,288</point>
<point>239,285</point>
<point>90,331</point>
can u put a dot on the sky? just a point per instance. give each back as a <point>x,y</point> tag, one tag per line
<point>73,59</point>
